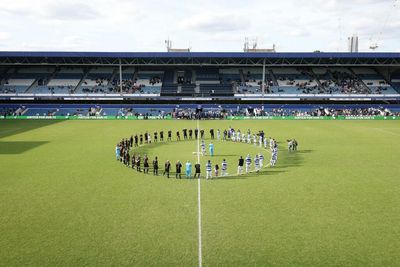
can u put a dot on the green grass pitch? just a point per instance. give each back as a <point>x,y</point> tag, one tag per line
<point>66,201</point>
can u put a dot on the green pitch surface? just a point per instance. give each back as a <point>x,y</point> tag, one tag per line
<point>66,201</point>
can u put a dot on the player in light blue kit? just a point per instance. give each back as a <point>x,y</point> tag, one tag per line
<point>188,170</point>
<point>117,152</point>
<point>211,149</point>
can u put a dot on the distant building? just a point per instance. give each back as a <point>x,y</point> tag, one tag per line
<point>254,47</point>
<point>168,43</point>
<point>353,44</point>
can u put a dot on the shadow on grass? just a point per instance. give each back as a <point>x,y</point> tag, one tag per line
<point>13,148</point>
<point>285,161</point>
<point>13,127</point>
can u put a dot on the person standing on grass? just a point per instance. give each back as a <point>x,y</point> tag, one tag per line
<point>202,134</point>
<point>248,163</point>
<point>190,134</point>
<point>261,157</point>
<point>240,166</point>
<point>136,140</point>
<point>211,149</point>
<point>167,168</point>
<point>162,136</point>
<point>146,138</point>
<point>155,137</point>
<point>216,170</point>
<point>295,144</point>
<point>188,169</point>
<point>155,166</point>
<point>118,151</point>
<point>197,170</point>
<point>218,135</point>
<point>196,133</point>
<point>178,170</point>
<point>212,133</point>
<point>146,164</point>
<point>185,136</point>
<point>133,161</point>
<point>169,135</point>
<point>131,141</point>
<point>274,156</point>
<point>138,164</point>
<point>203,148</point>
<point>128,159</point>
<point>224,168</point>
<point>178,136</point>
<point>141,139</point>
<point>208,170</point>
<point>257,163</point>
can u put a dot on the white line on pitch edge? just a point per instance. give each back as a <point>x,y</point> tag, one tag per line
<point>199,197</point>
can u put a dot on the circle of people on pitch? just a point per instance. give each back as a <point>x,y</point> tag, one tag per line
<point>125,145</point>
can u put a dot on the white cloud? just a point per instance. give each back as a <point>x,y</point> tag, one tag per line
<point>143,25</point>
<point>216,22</point>
<point>4,36</point>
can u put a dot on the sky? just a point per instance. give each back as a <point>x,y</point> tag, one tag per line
<point>202,25</point>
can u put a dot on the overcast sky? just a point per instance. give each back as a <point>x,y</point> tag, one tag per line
<point>203,25</point>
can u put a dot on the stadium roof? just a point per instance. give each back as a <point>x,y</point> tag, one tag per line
<point>199,58</point>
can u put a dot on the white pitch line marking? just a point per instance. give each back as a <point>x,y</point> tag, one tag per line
<point>199,199</point>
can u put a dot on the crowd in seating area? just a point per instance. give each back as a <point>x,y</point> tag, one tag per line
<point>7,90</point>
<point>221,113</point>
<point>18,111</point>
<point>189,114</point>
<point>56,89</point>
<point>94,111</point>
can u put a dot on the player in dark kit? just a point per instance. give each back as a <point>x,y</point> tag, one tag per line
<point>202,134</point>
<point>178,136</point>
<point>190,134</point>
<point>196,133</point>
<point>185,136</point>
<point>197,168</point>
<point>131,141</point>
<point>128,159</point>
<point>212,133</point>
<point>133,161</point>
<point>146,164</point>
<point>146,138</point>
<point>240,166</point>
<point>169,135</point>
<point>141,139</point>
<point>178,167</point>
<point>162,136</point>
<point>155,137</point>
<point>167,168</point>
<point>155,166</point>
<point>138,163</point>
<point>136,140</point>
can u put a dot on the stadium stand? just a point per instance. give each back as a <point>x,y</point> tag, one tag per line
<point>207,75</point>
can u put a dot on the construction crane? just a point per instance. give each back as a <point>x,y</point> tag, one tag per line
<point>374,44</point>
